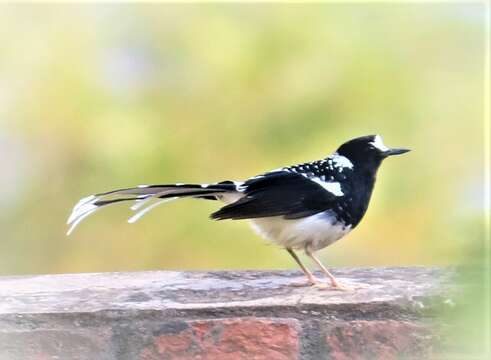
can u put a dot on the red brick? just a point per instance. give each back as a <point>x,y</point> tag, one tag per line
<point>173,344</point>
<point>388,339</point>
<point>243,338</point>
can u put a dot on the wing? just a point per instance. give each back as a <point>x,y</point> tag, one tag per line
<point>279,193</point>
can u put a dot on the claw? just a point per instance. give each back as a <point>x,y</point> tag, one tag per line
<point>342,287</point>
<point>333,286</point>
<point>309,282</point>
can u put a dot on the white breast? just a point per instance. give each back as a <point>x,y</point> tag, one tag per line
<point>315,232</point>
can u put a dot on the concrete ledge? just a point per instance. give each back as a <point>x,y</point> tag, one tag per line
<point>222,315</point>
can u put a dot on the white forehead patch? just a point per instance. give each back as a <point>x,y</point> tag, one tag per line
<point>379,144</point>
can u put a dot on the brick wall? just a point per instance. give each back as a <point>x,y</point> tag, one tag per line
<point>391,314</point>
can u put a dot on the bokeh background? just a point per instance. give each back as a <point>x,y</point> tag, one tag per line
<point>96,97</point>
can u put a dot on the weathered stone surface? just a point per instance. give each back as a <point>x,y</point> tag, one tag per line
<point>405,289</point>
<point>41,344</point>
<point>221,315</point>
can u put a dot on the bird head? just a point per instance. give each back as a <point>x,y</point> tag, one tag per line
<point>368,150</point>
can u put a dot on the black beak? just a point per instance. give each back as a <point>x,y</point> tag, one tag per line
<point>391,152</point>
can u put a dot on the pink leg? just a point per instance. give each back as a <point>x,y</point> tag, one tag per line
<point>311,278</point>
<point>334,282</point>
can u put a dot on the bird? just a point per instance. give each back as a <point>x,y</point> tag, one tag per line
<point>306,206</point>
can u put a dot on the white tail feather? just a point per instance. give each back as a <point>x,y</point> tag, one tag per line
<point>81,207</point>
<point>139,203</point>
<point>142,212</point>
<point>142,195</point>
<point>80,218</point>
<point>81,211</point>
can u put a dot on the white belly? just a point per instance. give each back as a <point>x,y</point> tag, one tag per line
<point>315,232</point>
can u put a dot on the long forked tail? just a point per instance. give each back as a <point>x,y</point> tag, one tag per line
<point>145,198</point>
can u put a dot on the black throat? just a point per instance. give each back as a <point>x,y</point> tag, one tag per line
<point>358,188</point>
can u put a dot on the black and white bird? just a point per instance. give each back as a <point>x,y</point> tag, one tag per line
<point>300,207</point>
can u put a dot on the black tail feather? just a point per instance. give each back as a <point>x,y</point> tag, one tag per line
<point>145,197</point>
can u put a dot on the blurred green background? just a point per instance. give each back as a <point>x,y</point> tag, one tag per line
<point>96,97</point>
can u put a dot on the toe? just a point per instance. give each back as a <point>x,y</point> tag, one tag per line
<point>341,287</point>
<point>311,282</point>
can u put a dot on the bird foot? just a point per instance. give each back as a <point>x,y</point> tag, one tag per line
<point>350,287</point>
<point>342,287</point>
<point>333,286</point>
<point>312,282</point>
<point>336,286</point>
